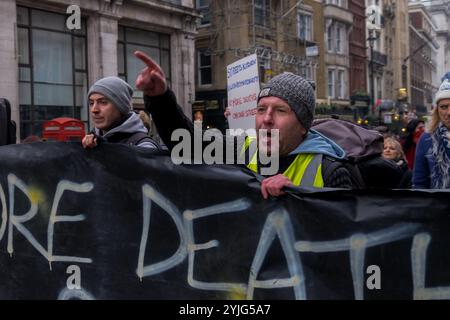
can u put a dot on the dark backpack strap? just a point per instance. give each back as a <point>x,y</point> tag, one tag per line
<point>140,137</point>
<point>357,179</point>
<point>128,138</point>
<point>330,165</point>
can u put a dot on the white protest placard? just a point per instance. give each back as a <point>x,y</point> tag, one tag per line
<point>243,89</point>
<point>312,51</point>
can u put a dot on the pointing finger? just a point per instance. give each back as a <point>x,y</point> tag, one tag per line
<point>147,60</point>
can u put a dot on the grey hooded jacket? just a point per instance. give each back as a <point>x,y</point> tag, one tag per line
<point>131,131</point>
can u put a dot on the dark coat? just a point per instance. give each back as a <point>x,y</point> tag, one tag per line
<point>382,173</point>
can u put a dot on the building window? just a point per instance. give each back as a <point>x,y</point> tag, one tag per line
<point>336,38</point>
<point>341,38</point>
<point>52,69</point>
<point>264,69</point>
<point>307,71</point>
<point>304,26</point>
<point>331,83</point>
<point>262,13</point>
<point>178,2</point>
<point>204,67</point>
<point>379,88</point>
<point>377,42</point>
<point>330,38</point>
<point>340,84</point>
<point>156,45</point>
<point>339,3</point>
<point>336,83</point>
<point>203,7</point>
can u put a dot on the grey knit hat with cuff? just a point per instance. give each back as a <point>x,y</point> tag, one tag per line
<point>115,90</point>
<point>296,91</point>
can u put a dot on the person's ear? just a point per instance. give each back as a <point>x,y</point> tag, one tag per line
<point>303,131</point>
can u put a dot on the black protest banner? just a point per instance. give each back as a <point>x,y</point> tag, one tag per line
<point>117,222</point>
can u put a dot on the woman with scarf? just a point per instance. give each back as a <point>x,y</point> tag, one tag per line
<point>432,162</point>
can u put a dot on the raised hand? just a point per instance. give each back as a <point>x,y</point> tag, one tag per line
<point>151,80</point>
<point>227,112</point>
<point>89,141</point>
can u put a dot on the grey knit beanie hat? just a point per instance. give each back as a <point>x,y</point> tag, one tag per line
<point>115,90</point>
<point>296,91</point>
<point>443,92</point>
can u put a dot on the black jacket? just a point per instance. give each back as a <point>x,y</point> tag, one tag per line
<point>386,174</point>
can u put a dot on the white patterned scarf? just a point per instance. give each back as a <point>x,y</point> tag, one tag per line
<point>440,174</point>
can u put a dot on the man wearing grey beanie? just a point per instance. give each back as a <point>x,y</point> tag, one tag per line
<point>285,104</point>
<point>110,105</point>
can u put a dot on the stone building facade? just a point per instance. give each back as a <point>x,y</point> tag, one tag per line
<point>278,31</point>
<point>47,64</point>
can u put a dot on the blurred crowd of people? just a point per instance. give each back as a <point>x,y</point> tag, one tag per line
<point>423,153</point>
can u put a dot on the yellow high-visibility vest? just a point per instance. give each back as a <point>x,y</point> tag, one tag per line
<point>304,171</point>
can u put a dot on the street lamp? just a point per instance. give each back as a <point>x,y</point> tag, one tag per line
<point>372,37</point>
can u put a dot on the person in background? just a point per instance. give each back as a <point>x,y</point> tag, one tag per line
<point>145,118</point>
<point>393,151</point>
<point>110,104</point>
<point>414,130</point>
<point>198,116</point>
<point>432,161</point>
<point>198,119</point>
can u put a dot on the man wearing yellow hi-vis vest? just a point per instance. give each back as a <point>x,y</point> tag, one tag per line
<point>286,104</point>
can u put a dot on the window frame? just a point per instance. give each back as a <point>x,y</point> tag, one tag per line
<point>337,40</point>
<point>330,38</point>
<point>331,82</point>
<point>340,83</point>
<point>124,42</point>
<point>307,71</point>
<point>379,85</point>
<point>338,44</point>
<point>264,7</point>
<point>205,11</point>
<point>33,121</point>
<point>201,67</point>
<point>309,32</point>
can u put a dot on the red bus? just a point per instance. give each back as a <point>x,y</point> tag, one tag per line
<point>63,129</point>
